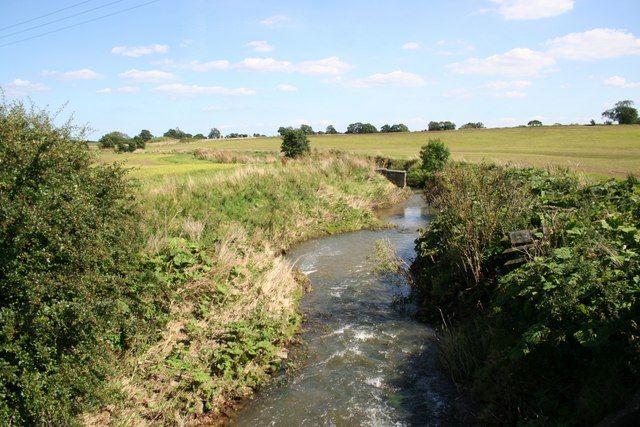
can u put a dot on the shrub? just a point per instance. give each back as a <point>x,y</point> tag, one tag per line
<point>294,143</point>
<point>114,140</point>
<point>434,156</point>
<point>69,241</point>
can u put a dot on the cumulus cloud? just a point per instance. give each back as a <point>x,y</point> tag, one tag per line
<point>617,81</point>
<point>458,93</point>
<point>182,89</point>
<point>410,46</point>
<point>332,65</point>
<point>122,89</point>
<point>136,51</point>
<point>149,76</point>
<point>516,62</point>
<point>260,46</point>
<point>22,87</point>
<point>276,21</point>
<point>511,94</point>
<point>396,78</point>
<point>83,74</point>
<point>599,43</point>
<point>286,88</point>
<point>520,10</point>
<point>507,84</point>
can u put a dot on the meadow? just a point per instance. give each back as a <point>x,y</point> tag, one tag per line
<point>595,150</point>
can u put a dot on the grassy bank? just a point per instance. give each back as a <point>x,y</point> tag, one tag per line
<point>596,150</point>
<point>216,241</point>
<point>545,331</point>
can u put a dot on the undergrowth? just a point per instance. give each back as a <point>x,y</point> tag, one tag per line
<point>552,337</point>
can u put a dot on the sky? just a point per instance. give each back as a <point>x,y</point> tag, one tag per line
<point>253,66</point>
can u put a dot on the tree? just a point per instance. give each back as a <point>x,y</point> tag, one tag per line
<point>176,133</point>
<point>592,122</point>
<point>534,123</point>
<point>121,142</point>
<point>446,125</point>
<point>623,112</point>
<point>331,130</point>
<point>472,125</point>
<point>145,135</point>
<point>282,130</point>
<point>308,130</point>
<point>360,127</point>
<point>294,143</point>
<point>215,134</point>
<point>434,156</point>
<point>435,126</point>
<point>69,239</point>
<point>400,127</point>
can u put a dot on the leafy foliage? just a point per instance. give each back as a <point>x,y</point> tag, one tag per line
<point>359,127</point>
<point>446,125</point>
<point>473,125</point>
<point>400,127</point>
<point>71,292</point>
<point>534,123</point>
<point>331,130</point>
<point>623,112</point>
<point>564,321</point>
<point>294,143</point>
<point>434,156</point>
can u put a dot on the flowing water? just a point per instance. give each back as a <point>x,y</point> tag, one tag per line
<point>367,361</point>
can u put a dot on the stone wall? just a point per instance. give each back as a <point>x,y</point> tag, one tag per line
<point>398,177</point>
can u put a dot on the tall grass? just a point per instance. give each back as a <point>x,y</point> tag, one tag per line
<point>218,240</point>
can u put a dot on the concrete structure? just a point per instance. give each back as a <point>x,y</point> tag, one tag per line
<point>398,177</point>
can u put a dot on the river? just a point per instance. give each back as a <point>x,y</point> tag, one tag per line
<point>366,360</point>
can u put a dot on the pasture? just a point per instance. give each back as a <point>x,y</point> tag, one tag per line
<point>594,150</point>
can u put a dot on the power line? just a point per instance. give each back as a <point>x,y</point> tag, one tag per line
<point>60,19</point>
<point>79,23</point>
<point>45,15</point>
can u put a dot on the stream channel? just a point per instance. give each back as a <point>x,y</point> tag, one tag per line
<point>366,360</point>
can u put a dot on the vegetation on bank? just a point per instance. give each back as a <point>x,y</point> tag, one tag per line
<point>546,333</point>
<point>155,301</point>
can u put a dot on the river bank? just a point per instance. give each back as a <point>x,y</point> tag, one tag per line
<point>216,241</point>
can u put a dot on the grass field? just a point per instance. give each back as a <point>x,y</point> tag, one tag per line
<point>597,150</point>
<point>155,165</point>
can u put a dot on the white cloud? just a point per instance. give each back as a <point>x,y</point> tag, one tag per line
<point>286,88</point>
<point>265,64</point>
<point>136,51</point>
<point>452,47</point>
<point>83,74</point>
<point>599,43</point>
<point>182,89</point>
<point>22,87</point>
<point>516,62</point>
<point>332,65</point>
<point>397,78</point>
<point>260,46</point>
<point>519,10</point>
<point>222,64</point>
<point>459,93</point>
<point>507,84</point>
<point>123,89</point>
<point>617,81</point>
<point>511,94</point>
<point>276,21</point>
<point>410,46</point>
<point>150,76</point>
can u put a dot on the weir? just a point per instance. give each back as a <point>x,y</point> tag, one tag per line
<point>398,177</point>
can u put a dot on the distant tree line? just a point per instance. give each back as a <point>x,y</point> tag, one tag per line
<point>121,142</point>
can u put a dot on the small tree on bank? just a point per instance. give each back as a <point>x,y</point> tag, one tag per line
<point>294,142</point>
<point>434,156</point>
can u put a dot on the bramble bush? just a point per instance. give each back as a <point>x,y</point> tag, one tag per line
<point>554,339</point>
<point>71,292</point>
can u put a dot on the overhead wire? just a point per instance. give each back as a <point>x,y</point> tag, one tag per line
<point>84,12</point>
<point>79,23</point>
<point>45,15</point>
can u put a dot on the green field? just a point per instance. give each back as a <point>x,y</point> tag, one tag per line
<point>153,165</point>
<point>597,150</point>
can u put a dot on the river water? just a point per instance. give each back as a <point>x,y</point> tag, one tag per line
<point>366,361</point>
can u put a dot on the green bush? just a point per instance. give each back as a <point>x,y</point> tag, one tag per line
<point>68,235</point>
<point>434,156</point>
<point>294,142</point>
<point>556,336</point>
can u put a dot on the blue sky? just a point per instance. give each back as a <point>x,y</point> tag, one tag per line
<point>252,66</point>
